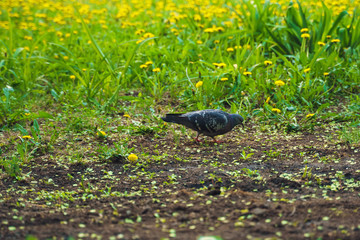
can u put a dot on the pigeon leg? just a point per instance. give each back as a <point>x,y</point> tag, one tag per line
<point>197,138</point>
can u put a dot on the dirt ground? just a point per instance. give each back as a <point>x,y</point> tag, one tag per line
<point>260,183</point>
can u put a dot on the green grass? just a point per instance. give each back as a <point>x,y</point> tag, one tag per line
<point>94,60</point>
<point>105,59</point>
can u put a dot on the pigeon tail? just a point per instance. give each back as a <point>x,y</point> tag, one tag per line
<point>178,118</point>
<point>173,117</point>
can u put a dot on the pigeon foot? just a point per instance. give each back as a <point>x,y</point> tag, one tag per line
<point>197,138</point>
<point>217,141</point>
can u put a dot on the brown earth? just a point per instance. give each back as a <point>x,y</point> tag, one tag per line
<point>259,183</point>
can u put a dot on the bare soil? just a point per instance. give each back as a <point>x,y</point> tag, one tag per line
<point>259,183</point>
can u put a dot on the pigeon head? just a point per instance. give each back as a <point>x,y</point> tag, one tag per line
<point>237,119</point>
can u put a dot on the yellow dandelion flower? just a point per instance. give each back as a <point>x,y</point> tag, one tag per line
<point>84,69</point>
<point>27,48</point>
<point>26,137</point>
<point>143,66</point>
<point>65,58</point>
<point>197,17</point>
<point>132,157</point>
<point>279,83</point>
<point>156,70</point>
<point>321,44</point>
<point>216,41</point>
<point>310,115</point>
<point>267,100</point>
<point>101,133</point>
<point>326,73</point>
<point>219,29</point>
<point>199,84</point>
<point>126,115</point>
<point>148,35</point>
<point>304,30</point>
<point>306,70</point>
<point>335,40</point>
<point>149,63</point>
<point>276,110</point>
<point>72,77</point>
<point>268,63</point>
<point>199,42</point>
<point>247,73</point>
<point>230,49</point>
<point>305,35</point>
<point>220,65</point>
<point>27,114</point>
<point>209,30</point>
<point>328,36</point>
<point>228,23</point>
<point>139,32</point>
<point>224,79</point>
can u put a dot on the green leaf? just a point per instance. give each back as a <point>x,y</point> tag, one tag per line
<point>41,114</point>
<point>337,21</point>
<point>36,127</point>
<point>209,238</point>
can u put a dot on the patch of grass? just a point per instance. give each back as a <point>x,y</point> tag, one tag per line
<point>351,135</point>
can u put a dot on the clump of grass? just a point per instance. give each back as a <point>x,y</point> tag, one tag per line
<point>350,135</point>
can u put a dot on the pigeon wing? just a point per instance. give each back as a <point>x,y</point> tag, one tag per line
<point>209,122</point>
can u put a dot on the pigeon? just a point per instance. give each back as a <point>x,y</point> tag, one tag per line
<point>208,122</point>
